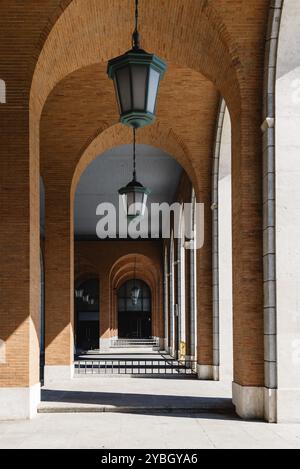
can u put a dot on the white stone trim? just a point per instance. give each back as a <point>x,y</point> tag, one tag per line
<point>248,401</point>
<point>104,344</point>
<point>54,373</point>
<point>161,343</point>
<point>19,403</point>
<point>216,373</point>
<point>205,372</point>
<point>270,405</point>
<point>166,345</point>
<point>2,92</point>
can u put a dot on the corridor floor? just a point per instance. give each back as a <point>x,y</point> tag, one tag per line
<point>134,394</point>
<point>124,412</point>
<point>126,431</point>
<point>163,393</point>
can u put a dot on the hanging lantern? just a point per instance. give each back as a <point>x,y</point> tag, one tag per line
<point>79,293</point>
<point>136,75</point>
<point>86,298</point>
<point>135,291</point>
<point>134,195</point>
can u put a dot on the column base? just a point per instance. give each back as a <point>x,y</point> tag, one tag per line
<point>205,372</point>
<point>216,373</point>
<point>270,405</point>
<point>161,344</point>
<point>166,345</point>
<point>19,403</point>
<point>248,401</point>
<point>104,344</point>
<point>54,373</point>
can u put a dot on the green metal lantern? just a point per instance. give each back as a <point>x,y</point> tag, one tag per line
<point>134,195</point>
<point>135,291</point>
<point>136,75</point>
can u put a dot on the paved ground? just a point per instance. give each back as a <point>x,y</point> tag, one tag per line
<point>94,393</point>
<point>123,431</point>
<point>127,412</point>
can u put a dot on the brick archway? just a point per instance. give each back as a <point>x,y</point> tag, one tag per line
<point>109,24</point>
<point>197,161</point>
<point>146,270</point>
<point>158,135</point>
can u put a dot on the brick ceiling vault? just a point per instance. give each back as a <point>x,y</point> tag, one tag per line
<point>190,33</point>
<point>129,266</point>
<point>80,118</point>
<point>64,47</point>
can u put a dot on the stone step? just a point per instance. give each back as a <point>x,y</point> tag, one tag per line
<point>222,406</point>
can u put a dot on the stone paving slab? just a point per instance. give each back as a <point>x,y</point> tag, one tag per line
<point>129,431</point>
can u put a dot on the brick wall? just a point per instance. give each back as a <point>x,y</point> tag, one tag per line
<point>46,60</point>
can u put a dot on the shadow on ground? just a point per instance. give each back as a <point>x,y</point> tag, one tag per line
<point>83,401</point>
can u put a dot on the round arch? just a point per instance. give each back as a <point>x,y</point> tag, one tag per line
<point>157,136</point>
<point>124,269</point>
<point>187,47</point>
<point>84,275</point>
<point>239,139</point>
<point>134,320</point>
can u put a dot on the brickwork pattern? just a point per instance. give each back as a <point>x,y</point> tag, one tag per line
<point>46,50</point>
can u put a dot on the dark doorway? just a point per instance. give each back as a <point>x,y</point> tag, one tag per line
<point>87,315</point>
<point>134,320</point>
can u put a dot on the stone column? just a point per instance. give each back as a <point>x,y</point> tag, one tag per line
<point>19,254</point>
<point>105,312</point>
<point>248,326</point>
<point>59,285</point>
<point>172,301</point>
<point>181,285</point>
<point>188,339</point>
<point>166,299</point>
<point>204,300</point>
<point>282,255</point>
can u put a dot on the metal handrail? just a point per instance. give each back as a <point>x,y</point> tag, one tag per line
<point>134,366</point>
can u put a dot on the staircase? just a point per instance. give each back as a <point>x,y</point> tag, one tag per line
<point>135,343</point>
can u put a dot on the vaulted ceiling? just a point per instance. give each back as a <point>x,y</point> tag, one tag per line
<point>111,171</point>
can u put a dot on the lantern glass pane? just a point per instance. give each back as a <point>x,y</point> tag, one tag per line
<point>153,88</point>
<point>124,201</point>
<point>144,204</point>
<point>135,292</point>
<point>139,197</point>
<point>137,207</point>
<point>139,86</point>
<point>130,204</point>
<point>117,95</point>
<point>123,82</point>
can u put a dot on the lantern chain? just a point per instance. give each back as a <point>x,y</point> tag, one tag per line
<point>136,35</point>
